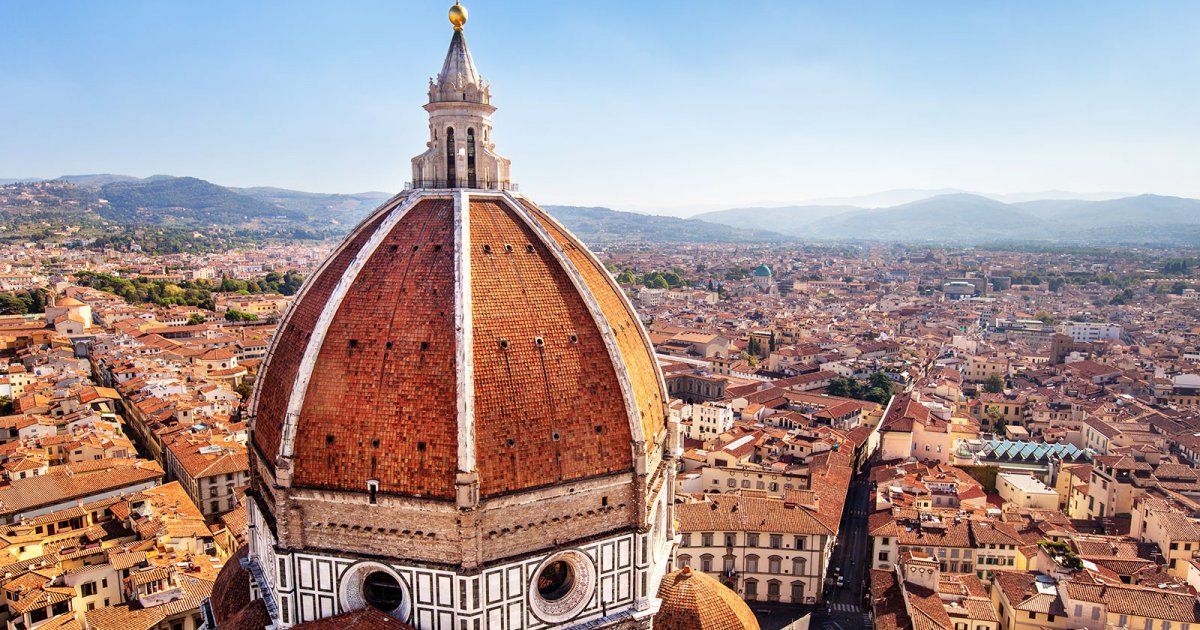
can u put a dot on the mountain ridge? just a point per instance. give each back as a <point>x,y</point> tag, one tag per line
<point>956,217</point>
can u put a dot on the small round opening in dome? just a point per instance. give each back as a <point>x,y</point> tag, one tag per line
<point>382,591</point>
<point>555,581</point>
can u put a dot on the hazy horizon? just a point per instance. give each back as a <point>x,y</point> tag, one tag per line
<point>670,107</point>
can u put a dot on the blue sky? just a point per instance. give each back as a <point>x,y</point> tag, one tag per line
<point>636,105</point>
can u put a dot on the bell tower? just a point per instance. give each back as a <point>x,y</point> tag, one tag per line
<point>460,151</point>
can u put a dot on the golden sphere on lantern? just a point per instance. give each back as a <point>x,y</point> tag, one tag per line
<point>458,16</point>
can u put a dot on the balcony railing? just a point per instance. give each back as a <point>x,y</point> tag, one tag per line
<point>445,183</point>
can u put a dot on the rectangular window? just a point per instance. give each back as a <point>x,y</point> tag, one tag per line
<point>706,539</point>
<point>686,540</point>
<point>87,589</point>
<point>776,541</point>
<point>730,540</point>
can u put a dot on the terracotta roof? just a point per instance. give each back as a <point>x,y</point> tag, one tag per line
<point>75,481</point>
<point>253,616</point>
<point>730,512</point>
<point>231,590</point>
<point>887,601</point>
<point>383,402</point>
<point>692,600</point>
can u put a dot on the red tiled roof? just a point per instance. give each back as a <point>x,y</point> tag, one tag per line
<point>383,403</point>
<point>231,591</point>
<point>692,600</point>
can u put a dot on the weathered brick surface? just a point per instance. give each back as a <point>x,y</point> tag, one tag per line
<point>435,532</point>
<point>638,356</point>
<point>548,413</point>
<point>381,400</point>
<point>290,342</point>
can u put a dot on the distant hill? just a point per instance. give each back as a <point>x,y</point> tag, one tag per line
<point>793,220</point>
<point>601,225</point>
<point>1139,210</point>
<point>339,209</point>
<point>179,204</point>
<point>955,218</point>
<point>185,201</point>
<point>100,205</point>
<point>95,181</point>
<point>962,218</point>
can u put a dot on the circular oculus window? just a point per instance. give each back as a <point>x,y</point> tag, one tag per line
<point>562,586</point>
<point>375,585</point>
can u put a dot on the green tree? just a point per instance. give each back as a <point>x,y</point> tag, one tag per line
<point>993,384</point>
<point>879,380</point>
<point>1122,298</point>
<point>878,395</point>
<point>196,320</point>
<point>12,305</point>
<point>235,315</point>
<point>6,406</point>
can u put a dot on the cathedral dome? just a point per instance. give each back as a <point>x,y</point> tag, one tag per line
<point>455,333</point>
<point>692,600</point>
<point>460,417</point>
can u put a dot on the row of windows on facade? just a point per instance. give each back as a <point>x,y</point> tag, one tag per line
<point>774,587</point>
<point>759,485</point>
<point>729,564</point>
<point>750,589</point>
<point>751,539</point>
<point>962,567</point>
<point>941,551</point>
<point>1122,620</point>
<point>215,506</point>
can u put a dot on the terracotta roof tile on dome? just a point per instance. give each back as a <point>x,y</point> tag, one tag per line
<point>363,619</point>
<point>367,380</point>
<point>692,600</point>
<point>252,617</point>
<point>291,341</point>
<point>634,345</point>
<point>231,590</point>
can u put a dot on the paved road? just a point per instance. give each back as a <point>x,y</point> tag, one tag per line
<point>844,606</point>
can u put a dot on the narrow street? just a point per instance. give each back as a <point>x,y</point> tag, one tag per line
<point>845,608</point>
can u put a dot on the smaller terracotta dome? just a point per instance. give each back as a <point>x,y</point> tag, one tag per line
<point>251,617</point>
<point>231,590</point>
<point>694,601</point>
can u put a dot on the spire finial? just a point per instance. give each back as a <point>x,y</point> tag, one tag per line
<point>458,15</point>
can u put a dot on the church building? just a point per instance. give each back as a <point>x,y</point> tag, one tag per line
<point>461,423</point>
